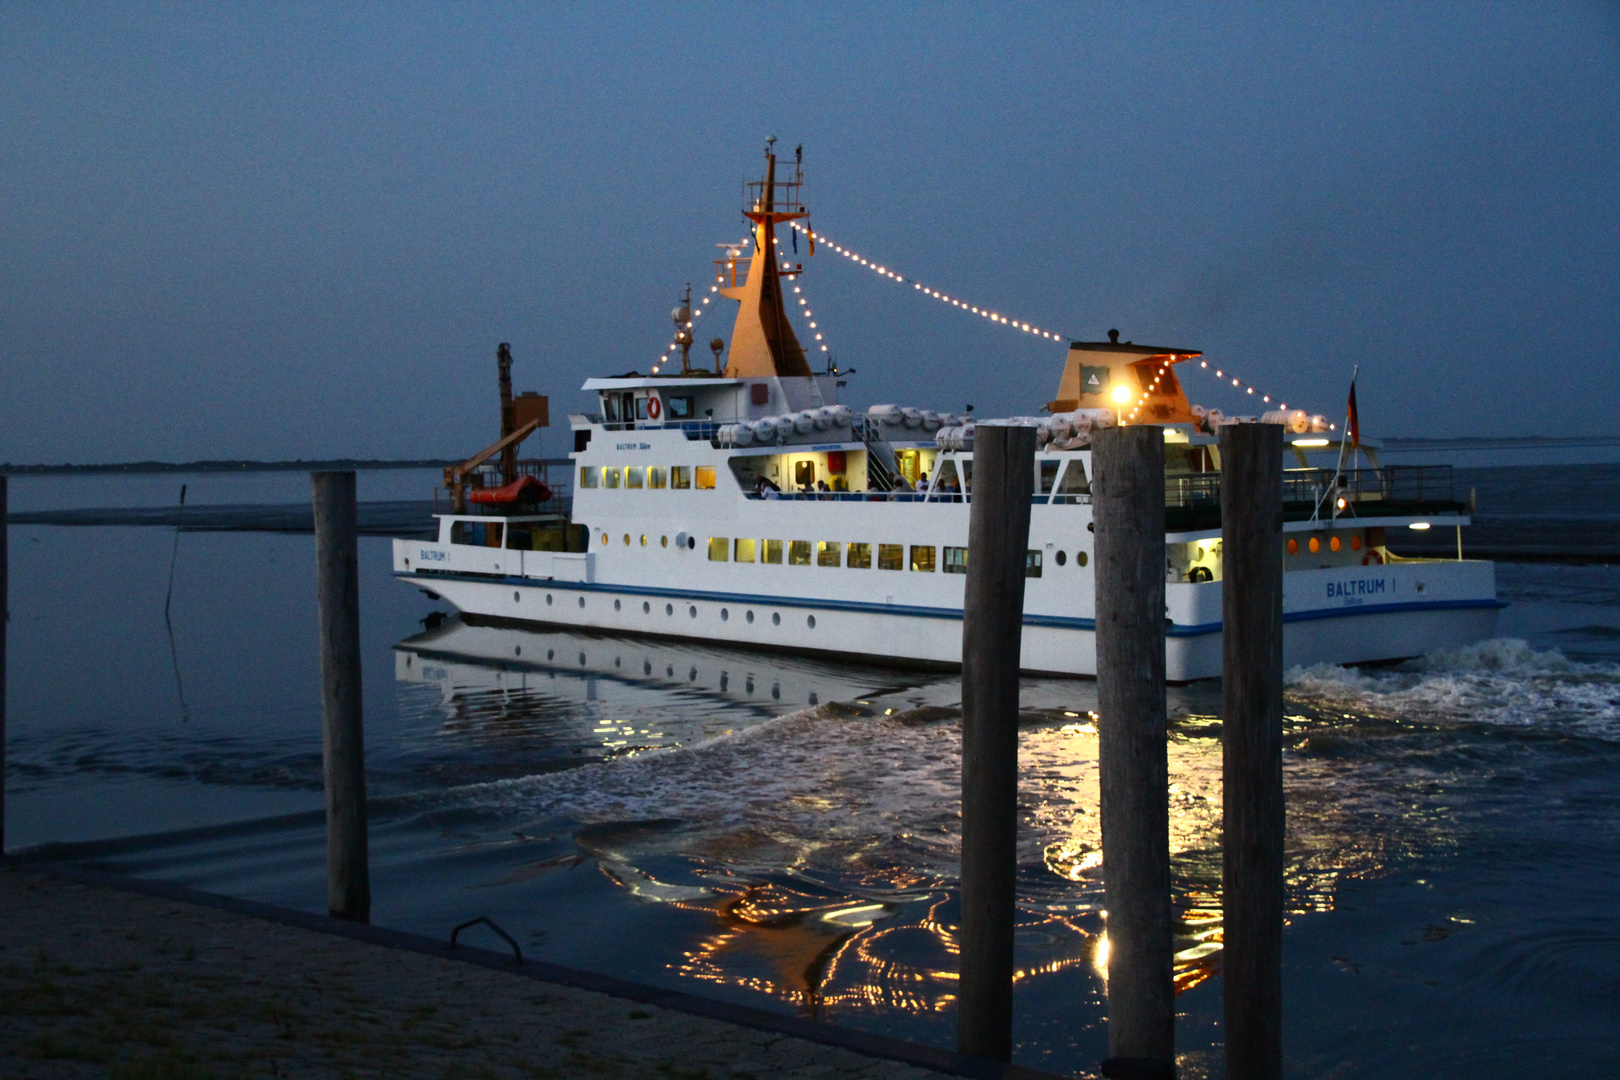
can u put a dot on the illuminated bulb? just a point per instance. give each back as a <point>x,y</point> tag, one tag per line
<point>1121,394</point>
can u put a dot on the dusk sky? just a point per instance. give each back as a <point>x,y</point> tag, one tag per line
<point>281,231</point>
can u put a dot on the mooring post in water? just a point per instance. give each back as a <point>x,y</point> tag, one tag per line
<point>5,617</point>
<point>992,626</point>
<point>1127,493</point>
<point>337,573</point>
<point>1251,747</point>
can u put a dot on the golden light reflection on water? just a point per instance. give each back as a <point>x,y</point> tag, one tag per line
<point>876,928</point>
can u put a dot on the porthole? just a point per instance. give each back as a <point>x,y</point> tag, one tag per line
<point>604,538</point>
<point>643,539</point>
<point>1334,543</point>
<point>582,601</point>
<point>516,596</point>
<point>692,611</point>
<point>810,622</point>
<point>1080,558</point>
<point>1062,557</point>
<point>691,543</point>
<point>813,699</point>
<point>581,659</point>
<point>615,605</point>
<point>1293,546</point>
<point>776,691</point>
<point>669,609</point>
<point>517,650</point>
<point>691,676</point>
<point>548,599</point>
<point>646,667</point>
<point>646,608</point>
<point>1355,543</point>
<point>776,618</point>
<point>551,654</point>
<point>1316,545</point>
<point>663,541</point>
<point>749,616</point>
<point>617,662</point>
<point>626,539</point>
<point>725,615</point>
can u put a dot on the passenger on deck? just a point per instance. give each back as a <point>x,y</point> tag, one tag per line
<point>922,482</point>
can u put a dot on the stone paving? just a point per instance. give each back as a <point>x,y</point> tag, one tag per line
<point>99,982</point>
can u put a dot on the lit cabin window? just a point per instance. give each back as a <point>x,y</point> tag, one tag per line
<point>589,476</point>
<point>1032,564</point>
<point>745,550</point>
<point>657,476</point>
<point>891,557</point>
<point>829,553</point>
<point>610,476</point>
<point>705,478</point>
<point>772,552</point>
<point>956,560</point>
<point>680,476</point>
<point>634,476</point>
<point>799,553</point>
<point>860,557</point>
<point>718,546</point>
<point>922,558</point>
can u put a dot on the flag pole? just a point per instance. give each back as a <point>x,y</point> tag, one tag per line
<point>1349,427</point>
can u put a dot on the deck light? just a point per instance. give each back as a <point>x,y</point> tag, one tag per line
<point>1418,525</point>
<point>1310,442</point>
<point>1122,394</point>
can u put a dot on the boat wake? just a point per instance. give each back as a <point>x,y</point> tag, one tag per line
<point>1503,682</point>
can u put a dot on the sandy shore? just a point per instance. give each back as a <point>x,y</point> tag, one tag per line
<point>97,981</point>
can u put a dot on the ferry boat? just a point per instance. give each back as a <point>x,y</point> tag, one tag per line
<point>749,506</point>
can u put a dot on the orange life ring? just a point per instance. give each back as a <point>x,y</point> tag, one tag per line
<point>1371,558</point>
<point>653,408</point>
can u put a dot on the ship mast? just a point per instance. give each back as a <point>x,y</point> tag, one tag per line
<point>762,341</point>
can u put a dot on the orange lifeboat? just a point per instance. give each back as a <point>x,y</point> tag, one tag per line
<point>525,489</point>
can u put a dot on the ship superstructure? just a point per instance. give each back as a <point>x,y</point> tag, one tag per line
<point>750,506</point>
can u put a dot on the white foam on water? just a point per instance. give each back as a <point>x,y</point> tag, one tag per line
<point>1503,682</point>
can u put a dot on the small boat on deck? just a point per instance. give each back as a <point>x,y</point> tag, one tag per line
<point>748,505</point>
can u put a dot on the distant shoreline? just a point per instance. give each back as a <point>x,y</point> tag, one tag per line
<point>228,466</point>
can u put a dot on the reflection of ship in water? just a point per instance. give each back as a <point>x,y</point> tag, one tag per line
<point>803,815</point>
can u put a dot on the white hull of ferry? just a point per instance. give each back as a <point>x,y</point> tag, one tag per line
<point>1340,615</point>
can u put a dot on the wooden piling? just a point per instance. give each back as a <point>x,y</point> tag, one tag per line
<point>1251,746</point>
<point>348,877</point>
<point>992,629</point>
<point>5,617</point>
<point>1128,509</point>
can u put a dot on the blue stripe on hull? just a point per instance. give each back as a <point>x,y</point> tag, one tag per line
<point>1062,622</point>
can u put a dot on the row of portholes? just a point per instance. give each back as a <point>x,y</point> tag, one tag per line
<point>669,610</point>
<point>1334,544</point>
<point>1080,558</point>
<point>683,540</point>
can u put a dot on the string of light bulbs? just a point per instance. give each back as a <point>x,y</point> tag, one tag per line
<point>926,290</point>
<point>1227,377</point>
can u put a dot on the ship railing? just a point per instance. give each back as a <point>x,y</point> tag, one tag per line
<point>556,473</point>
<point>694,430</point>
<point>1193,500</point>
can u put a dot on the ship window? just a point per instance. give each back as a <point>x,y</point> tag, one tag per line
<point>1032,564</point>
<point>1316,545</point>
<point>956,560</point>
<point>520,538</point>
<point>588,476</point>
<point>799,553</point>
<point>804,473</point>
<point>891,557</point>
<point>1293,546</point>
<point>829,552</point>
<point>634,476</point>
<point>772,552</point>
<point>705,477</point>
<point>610,408</point>
<point>1049,470</point>
<point>1073,485</point>
<point>922,558</point>
<point>717,548</point>
<point>745,549</point>
<point>860,557</point>
<point>1062,557</point>
<point>1334,543</point>
<point>641,408</point>
<point>680,408</point>
<point>656,476</point>
<point>610,476</point>
<point>1355,543</point>
<point>680,476</point>
<point>1080,558</point>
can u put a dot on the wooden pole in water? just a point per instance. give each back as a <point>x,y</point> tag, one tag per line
<point>348,877</point>
<point>1251,746</point>
<point>992,628</point>
<point>1128,507</point>
<point>5,617</point>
